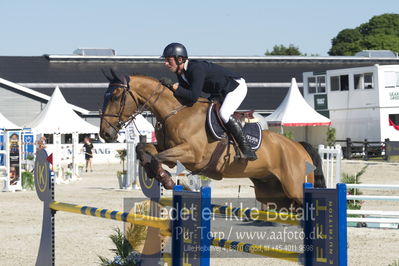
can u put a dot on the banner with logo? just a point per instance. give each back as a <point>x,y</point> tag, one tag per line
<point>14,149</point>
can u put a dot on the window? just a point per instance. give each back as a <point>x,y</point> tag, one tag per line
<point>316,84</point>
<point>344,80</point>
<point>311,85</point>
<point>368,80</point>
<point>394,121</point>
<point>321,83</point>
<point>334,83</point>
<point>339,83</point>
<point>358,78</point>
<point>93,137</point>
<point>66,139</point>
<point>394,118</point>
<point>363,81</point>
<point>49,138</point>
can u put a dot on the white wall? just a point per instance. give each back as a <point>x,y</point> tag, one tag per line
<point>18,108</point>
<point>361,113</point>
<point>385,93</point>
<point>103,153</point>
<point>389,101</point>
<point>352,99</point>
<point>357,124</point>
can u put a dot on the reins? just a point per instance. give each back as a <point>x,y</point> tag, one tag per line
<point>154,97</point>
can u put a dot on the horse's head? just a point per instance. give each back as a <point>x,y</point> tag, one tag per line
<point>122,102</point>
<point>119,104</point>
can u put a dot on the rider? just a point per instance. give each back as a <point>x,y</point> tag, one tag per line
<point>197,76</point>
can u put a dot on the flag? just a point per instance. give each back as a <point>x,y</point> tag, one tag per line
<point>50,158</point>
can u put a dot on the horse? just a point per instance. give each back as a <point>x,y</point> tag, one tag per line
<point>182,135</point>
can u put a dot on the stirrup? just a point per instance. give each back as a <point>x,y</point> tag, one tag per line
<point>250,156</point>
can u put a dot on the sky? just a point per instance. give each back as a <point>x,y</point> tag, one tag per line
<point>206,27</point>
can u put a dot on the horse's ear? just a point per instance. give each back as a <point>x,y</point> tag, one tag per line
<point>109,78</point>
<point>126,80</point>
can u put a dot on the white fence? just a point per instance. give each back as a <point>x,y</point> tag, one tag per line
<point>374,218</point>
<point>331,160</point>
<point>371,197</point>
<point>372,186</point>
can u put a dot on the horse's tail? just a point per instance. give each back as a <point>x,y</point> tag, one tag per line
<point>319,180</point>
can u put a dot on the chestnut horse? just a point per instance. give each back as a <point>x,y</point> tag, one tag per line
<point>278,174</point>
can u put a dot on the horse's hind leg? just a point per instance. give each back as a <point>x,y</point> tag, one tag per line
<point>269,191</point>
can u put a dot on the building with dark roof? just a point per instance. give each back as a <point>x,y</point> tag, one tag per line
<point>27,82</point>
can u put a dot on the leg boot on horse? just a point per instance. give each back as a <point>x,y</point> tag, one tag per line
<point>153,169</point>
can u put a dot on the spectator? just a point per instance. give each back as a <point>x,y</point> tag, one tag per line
<point>88,150</point>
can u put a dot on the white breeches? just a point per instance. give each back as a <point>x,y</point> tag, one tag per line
<point>233,100</point>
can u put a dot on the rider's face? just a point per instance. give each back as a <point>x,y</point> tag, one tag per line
<point>170,63</point>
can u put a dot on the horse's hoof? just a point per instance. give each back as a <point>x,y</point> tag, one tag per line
<point>169,184</point>
<point>166,179</point>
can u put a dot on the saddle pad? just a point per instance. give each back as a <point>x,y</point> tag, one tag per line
<point>252,131</point>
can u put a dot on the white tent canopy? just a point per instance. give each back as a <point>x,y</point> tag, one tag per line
<point>143,125</point>
<point>295,111</point>
<point>139,126</point>
<point>58,117</point>
<point>7,124</point>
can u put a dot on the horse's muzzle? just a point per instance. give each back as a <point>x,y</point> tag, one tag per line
<point>109,135</point>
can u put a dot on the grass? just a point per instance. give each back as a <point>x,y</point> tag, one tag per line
<point>353,179</point>
<point>395,263</point>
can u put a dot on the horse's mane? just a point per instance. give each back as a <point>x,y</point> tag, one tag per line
<point>144,76</point>
<point>122,78</point>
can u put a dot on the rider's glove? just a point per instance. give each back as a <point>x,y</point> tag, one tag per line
<point>167,82</point>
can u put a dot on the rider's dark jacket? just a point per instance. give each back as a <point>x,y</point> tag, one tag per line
<point>203,76</point>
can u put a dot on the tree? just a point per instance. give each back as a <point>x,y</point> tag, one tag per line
<point>379,33</point>
<point>282,50</point>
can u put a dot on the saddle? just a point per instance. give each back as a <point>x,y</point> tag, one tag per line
<point>252,130</point>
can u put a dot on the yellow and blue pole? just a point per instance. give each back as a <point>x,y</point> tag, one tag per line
<point>161,223</point>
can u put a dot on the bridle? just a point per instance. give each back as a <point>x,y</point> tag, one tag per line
<point>154,97</point>
<point>126,90</point>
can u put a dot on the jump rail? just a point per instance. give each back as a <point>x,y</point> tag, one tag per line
<point>373,220</point>
<point>366,197</point>
<point>326,208</point>
<point>371,212</point>
<point>156,222</point>
<point>372,186</point>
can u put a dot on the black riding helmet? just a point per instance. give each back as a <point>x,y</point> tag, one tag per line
<point>175,50</point>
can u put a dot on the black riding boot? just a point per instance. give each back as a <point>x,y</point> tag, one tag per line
<point>235,129</point>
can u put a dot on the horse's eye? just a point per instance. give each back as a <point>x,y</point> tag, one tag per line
<point>114,98</point>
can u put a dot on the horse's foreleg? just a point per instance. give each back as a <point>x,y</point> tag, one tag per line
<point>146,148</point>
<point>145,153</point>
<point>147,156</point>
<point>182,153</point>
